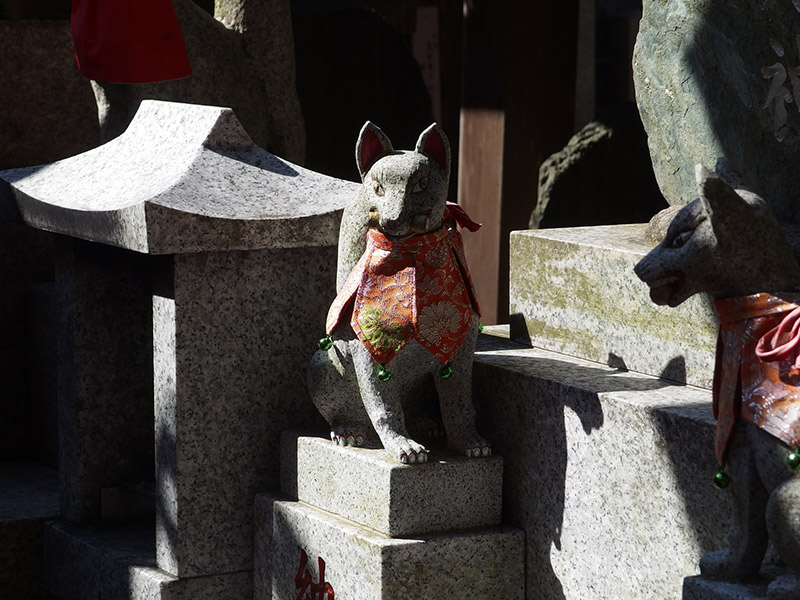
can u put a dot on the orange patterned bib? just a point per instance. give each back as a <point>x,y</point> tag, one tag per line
<point>757,371</point>
<point>415,289</point>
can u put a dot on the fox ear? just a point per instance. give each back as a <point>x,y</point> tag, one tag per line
<point>372,144</point>
<point>727,210</point>
<point>433,143</point>
<point>717,197</point>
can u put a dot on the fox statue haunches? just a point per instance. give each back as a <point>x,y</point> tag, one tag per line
<point>728,244</point>
<point>405,318</point>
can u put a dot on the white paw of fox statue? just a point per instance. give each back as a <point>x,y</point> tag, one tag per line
<point>405,318</point>
<point>728,244</point>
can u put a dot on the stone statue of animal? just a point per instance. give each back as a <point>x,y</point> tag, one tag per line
<point>728,244</point>
<point>405,319</point>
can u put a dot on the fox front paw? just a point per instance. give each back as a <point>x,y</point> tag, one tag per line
<point>346,436</point>
<point>472,445</point>
<point>406,450</point>
<point>480,448</point>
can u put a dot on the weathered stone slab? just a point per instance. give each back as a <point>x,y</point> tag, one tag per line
<point>716,79</point>
<point>573,291</point>
<point>182,178</point>
<point>485,564</point>
<point>118,563</point>
<point>365,486</point>
<point>608,472</point>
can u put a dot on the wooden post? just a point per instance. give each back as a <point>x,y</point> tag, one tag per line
<point>518,107</point>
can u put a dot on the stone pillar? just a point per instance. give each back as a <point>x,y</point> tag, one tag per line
<point>233,333</point>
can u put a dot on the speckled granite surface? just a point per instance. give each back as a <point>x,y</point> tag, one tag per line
<point>608,472</point>
<point>367,487</point>
<point>118,563</point>
<point>573,291</point>
<point>232,334</point>
<point>182,178</point>
<point>485,564</point>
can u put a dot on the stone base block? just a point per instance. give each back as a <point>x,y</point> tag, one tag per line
<point>608,472</point>
<point>28,496</point>
<point>119,563</point>
<point>573,291</point>
<point>365,486</point>
<point>310,548</point>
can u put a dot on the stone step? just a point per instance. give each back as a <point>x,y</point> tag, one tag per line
<point>118,562</point>
<point>608,472</point>
<point>300,549</point>
<point>365,486</point>
<point>28,497</point>
<point>573,291</point>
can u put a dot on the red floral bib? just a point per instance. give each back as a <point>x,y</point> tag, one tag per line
<point>418,288</point>
<point>757,371</point>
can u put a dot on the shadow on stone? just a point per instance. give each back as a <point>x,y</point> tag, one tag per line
<point>535,464</point>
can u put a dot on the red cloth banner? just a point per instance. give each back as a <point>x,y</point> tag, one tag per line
<point>128,41</point>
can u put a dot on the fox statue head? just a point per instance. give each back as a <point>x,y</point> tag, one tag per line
<point>403,192</point>
<point>725,243</point>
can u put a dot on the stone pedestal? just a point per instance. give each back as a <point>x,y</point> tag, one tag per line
<point>366,486</point>
<point>451,504</point>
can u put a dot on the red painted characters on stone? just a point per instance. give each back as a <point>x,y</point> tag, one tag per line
<point>304,581</point>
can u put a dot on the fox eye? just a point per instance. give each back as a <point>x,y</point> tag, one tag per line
<point>420,185</point>
<point>680,239</point>
<point>378,188</point>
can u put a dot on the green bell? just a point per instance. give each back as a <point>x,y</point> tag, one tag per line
<point>383,373</point>
<point>793,460</point>
<point>722,479</point>
<point>445,372</point>
<point>325,343</point>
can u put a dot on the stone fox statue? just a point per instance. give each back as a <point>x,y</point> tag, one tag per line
<point>728,244</point>
<point>405,318</point>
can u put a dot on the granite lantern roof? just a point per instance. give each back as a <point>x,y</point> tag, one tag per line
<point>182,178</point>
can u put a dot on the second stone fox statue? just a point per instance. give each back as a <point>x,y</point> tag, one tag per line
<point>405,316</point>
<point>728,244</point>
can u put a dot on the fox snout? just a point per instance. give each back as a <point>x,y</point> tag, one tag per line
<point>410,221</point>
<point>665,284</point>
